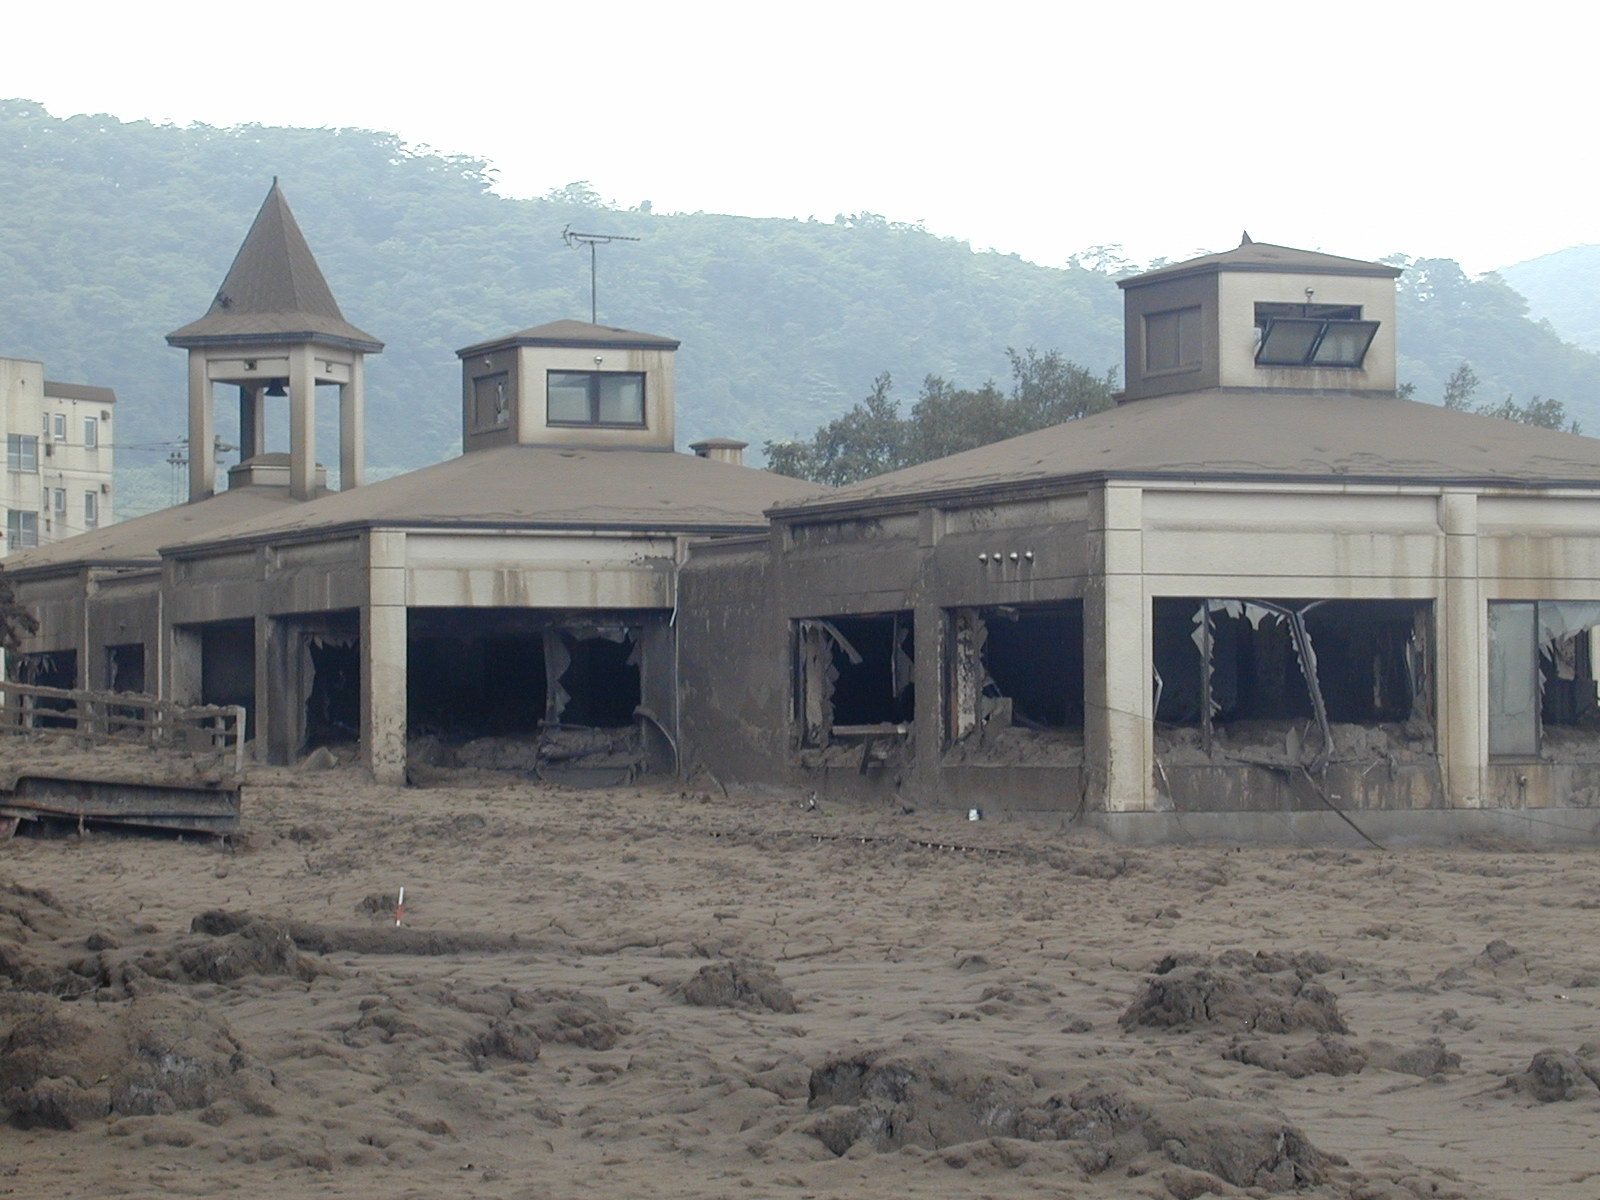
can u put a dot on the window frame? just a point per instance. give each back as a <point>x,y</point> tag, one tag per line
<point>19,535</point>
<point>58,427</point>
<point>594,379</point>
<point>22,452</point>
<point>91,433</point>
<point>91,510</point>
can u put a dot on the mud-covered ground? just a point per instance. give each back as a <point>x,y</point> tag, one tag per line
<point>658,992</point>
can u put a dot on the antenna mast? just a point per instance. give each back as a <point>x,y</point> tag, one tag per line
<point>573,238</point>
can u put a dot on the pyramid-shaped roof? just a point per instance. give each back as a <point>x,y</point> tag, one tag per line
<point>1264,256</point>
<point>574,333</point>
<point>274,291</point>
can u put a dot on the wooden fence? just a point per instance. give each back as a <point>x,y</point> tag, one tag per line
<point>100,717</point>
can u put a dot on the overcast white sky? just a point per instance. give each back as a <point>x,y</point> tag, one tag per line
<point>1357,128</point>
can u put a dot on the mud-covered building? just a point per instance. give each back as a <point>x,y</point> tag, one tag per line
<point>523,590</point>
<point>1262,591</point>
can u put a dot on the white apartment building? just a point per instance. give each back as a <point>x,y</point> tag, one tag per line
<point>58,456</point>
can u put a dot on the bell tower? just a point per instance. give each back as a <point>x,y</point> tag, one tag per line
<point>274,331</point>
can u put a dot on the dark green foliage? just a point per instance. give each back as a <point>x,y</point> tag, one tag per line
<point>16,622</point>
<point>1046,389</point>
<point>1462,385</point>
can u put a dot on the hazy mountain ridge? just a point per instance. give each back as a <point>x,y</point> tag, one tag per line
<point>1564,289</point>
<point>113,234</point>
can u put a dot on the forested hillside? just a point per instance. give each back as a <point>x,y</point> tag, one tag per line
<point>112,234</point>
<point>1564,289</point>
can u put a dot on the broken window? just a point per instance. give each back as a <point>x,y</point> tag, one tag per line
<point>1354,662</point>
<point>1541,672</point>
<point>853,676</point>
<point>125,667</point>
<point>1015,667</point>
<point>333,702</point>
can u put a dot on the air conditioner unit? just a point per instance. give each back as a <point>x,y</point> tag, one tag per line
<point>105,489</point>
<point>105,414</point>
<point>49,449</point>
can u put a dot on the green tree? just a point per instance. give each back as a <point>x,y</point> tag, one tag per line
<point>872,438</point>
<point>1462,385</point>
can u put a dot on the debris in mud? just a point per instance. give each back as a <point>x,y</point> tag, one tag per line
<point>934,1101</point>
<point>737,984</point>
<point>63,1064</point>
<point>1556,1075</point>
<point>1335,1056</point>
<point>1264,993</point>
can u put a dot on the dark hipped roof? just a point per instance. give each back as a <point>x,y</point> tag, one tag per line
<point>1249,436</point>
<point>542,487</point>
<point>1263,256</point>
<point>136,542</point>
<point>574,333</point>
<point>274,291</point>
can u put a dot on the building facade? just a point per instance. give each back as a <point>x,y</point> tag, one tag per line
<point>58,480</point>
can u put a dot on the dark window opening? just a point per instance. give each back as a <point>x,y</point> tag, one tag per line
<point>1312,335</point>
<point>853,675</point>
<point>1541,674</point>
<point>228,667</point>
<point>596,398</point>
<point>57,669</point>
<point>333,704</point>
<point>125,667</point>
<point>1016,666</point>
<point>474,673</point>
<point>1355,662</point>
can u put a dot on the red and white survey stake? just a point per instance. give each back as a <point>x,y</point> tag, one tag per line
<point>400,906</point>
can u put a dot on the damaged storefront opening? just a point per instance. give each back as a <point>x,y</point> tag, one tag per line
<point>527,690</point>
<point>1542,694</point>
<point>1015,671</point>
<point>1297,674</point>
<point>331,660</point>
<point>853,677</point>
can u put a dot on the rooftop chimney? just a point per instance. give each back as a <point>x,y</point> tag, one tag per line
<point>728,450</point>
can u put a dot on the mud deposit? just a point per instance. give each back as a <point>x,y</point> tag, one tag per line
<point>656,992</point>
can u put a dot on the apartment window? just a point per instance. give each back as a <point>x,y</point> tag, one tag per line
<point>91,433</point>
<point>22,452</point>
<point>91,509</point>
<point>22,529</point>
<point>1312,335</point>
<point>1172,340</point>
<point>596,398</point>
<point>58,427</point>
<point>61,502</point>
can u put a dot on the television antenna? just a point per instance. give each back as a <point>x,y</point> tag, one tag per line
<point>573,238</point>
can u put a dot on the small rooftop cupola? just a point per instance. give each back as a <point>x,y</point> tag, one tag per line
<point>274,330</point>
<point>569,383</point>
<point>1261,317</point>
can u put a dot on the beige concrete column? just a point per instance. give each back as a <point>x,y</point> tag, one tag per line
<point>383,658</point>
<point>302,422</point>
<point>1116,618</point>
<point>202,430</point>
<point>1461,681</point>
<point>352,428</point>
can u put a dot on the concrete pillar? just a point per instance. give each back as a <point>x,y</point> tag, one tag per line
<point>302,422</point>
<point>1461,681</point>
<point>252,422</point>
<point>202,431</point>
<point>1118,721</point>
<point>383,659</point>
<point>184,665</point>
<point>352,428</point>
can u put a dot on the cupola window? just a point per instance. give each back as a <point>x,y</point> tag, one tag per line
<point>613,398</point>
<point>1312,335</point>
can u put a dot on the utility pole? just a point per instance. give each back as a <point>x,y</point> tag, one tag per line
<point>572,238</point>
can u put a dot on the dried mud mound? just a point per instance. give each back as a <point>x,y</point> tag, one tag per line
<point>1263,993</point>
<point>1328,1055</point>
<point>740,984</point>
<point>62,1064</point>
<point>883,1101</point>
<point>1556,1075</point>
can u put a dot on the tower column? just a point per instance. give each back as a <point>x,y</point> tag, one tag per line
<point>352,428</point>
<point>302,422</point>
<point>202,430</point>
